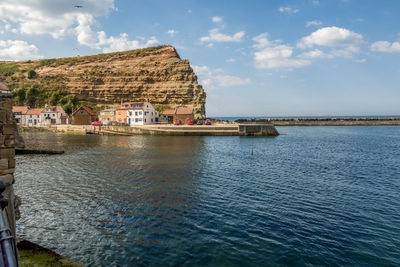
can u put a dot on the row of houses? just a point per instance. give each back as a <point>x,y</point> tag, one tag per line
<point>129,113</point>
<point>40,116</point>
<point>143,113</point>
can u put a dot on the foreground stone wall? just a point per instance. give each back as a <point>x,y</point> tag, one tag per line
<point>7,160</point>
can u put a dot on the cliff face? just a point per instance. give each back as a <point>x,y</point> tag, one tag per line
<point>156,74</point>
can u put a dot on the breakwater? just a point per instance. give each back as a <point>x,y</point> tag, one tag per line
<point>325,121</point>
<point>253,129</point>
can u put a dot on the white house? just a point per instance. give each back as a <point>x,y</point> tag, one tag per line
<point>53,115</point>
<point>140,113</point>
<point>19,113</point>
<point>32,117</point>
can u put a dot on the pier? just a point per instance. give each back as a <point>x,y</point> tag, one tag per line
<point>198,130</point>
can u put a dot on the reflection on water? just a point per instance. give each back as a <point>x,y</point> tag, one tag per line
<point>318,195</point>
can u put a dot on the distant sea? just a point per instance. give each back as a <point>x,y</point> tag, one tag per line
<point>312,196</point>
<point>294,117</point>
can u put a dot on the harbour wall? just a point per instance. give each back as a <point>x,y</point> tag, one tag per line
<point>325,121</point>
<point>7,159</point>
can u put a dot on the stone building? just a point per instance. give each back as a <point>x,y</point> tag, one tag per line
<point>83,116</point>
<point>180,113</point>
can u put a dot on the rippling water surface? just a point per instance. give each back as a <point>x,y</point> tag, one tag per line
<point>312,196</point>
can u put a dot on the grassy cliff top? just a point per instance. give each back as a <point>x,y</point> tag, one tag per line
<point>8,68</point>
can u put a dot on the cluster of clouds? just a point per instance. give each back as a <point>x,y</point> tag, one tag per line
<point>327,42</point>
<point>216,36</point>
<point>59,19</point>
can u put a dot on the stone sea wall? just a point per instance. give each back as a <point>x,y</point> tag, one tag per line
<point>7,159</point>
<point>325,121</point>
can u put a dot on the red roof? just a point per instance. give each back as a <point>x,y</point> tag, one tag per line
<point>3,87</point>
<point>88,110</point>
<point>127,105</point>
<point>57,109</point>
<point>34,111</point>
<point>21,109</point>
<point>168,112</point>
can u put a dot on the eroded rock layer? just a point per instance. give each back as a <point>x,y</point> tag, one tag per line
<point>155,74</point>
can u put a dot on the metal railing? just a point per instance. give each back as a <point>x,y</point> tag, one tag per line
<point>8,246</point>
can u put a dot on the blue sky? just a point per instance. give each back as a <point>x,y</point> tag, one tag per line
<point>253,58</point>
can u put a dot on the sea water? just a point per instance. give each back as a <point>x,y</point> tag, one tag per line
<point>311,196</point>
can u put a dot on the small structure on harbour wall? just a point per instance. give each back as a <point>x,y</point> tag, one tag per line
<point>259,129</point>
<point>83,116</point>
<point>180,113</point>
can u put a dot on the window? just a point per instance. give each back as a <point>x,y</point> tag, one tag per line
<point>29,121</point>
<point>138,105</point>
<point>151,120</point>
<point>136,120</point>
<point>152,113</point>
<point>119,113</point>
<point>30,116</point>
<point>135,113</point>
<point>132,105</point>
<point>140,113</point>
<point>54,115</point>
<point>140,119</point>
<point>144,120</point>
<point>130,113</point>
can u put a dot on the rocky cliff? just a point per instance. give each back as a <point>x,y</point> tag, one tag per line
<point>155,74</point>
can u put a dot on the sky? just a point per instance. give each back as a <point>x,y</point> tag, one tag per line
<point>253,58</point>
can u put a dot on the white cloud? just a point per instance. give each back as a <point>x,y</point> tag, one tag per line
<point>313,23</point>
<point>273,54</point>
<point>315,2</point>
<point>216,36</point>
<point>18,50</point>
<point>172,32</point>
<point>289,10</point>
<point>344,43</point>
<point>216,19</point>
<point>212,79</point>
<point>60,18</point>
<point>54,17</point>
<point>362,60</point>
<point>315,54</point>
<point>230,60</point>
<point>386,47</point>
<point>99,40</point>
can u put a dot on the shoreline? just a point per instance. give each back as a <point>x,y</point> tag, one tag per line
<point>32,254</point>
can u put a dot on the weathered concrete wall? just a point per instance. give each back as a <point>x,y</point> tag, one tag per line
<point>257,130</point>
<point>7,160</point>
<point>325,121</point>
